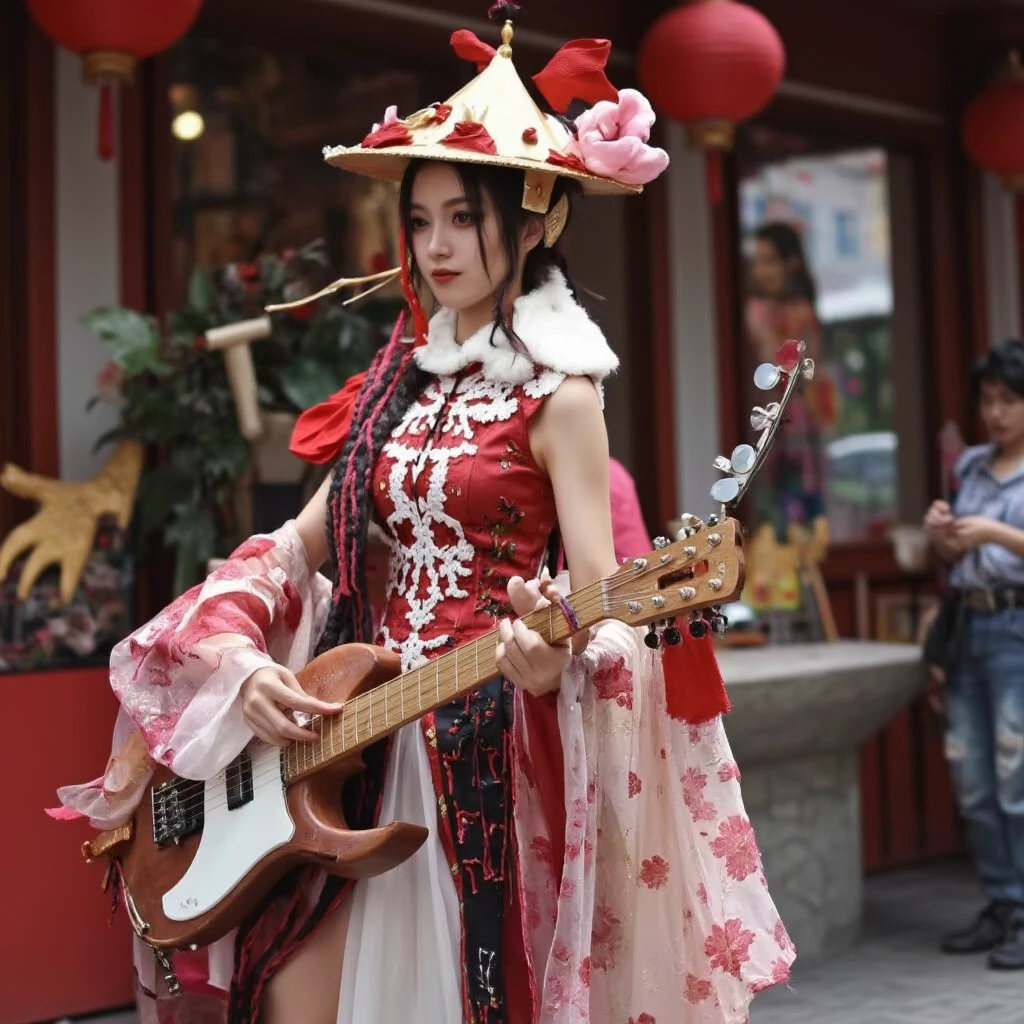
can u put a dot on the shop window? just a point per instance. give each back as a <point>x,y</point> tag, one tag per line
<point>817,240</point>
<point>248,125</point>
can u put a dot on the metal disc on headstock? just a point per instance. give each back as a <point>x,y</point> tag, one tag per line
<point>725,490</point>
<point>743,458</point>
<point>766,376</point>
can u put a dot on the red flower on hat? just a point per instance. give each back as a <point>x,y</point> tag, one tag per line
<point>471,135</point>
<point>390,132</point>
<point>570,161</point>
<point>394,134</point>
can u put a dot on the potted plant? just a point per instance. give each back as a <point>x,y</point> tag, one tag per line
<point>173,394</point>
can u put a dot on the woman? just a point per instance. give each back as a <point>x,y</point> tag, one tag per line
<point>982,537</point>
<point>791,488</point>
<point>567,809</point>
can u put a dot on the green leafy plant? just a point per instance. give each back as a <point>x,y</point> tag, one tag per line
<point>173,394</point>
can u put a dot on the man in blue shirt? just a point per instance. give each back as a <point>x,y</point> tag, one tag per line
<point>981,535</point>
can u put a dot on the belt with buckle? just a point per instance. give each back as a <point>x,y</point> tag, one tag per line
<point>993,600</point>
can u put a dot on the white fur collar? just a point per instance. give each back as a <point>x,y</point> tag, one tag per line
<point>557,332</point>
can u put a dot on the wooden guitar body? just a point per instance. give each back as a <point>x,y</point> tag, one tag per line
<point>313,804</point>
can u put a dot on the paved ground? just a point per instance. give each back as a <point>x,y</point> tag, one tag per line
<point>895,975</point>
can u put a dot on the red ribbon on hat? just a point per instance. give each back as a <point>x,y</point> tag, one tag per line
<point>468,46</point>
<point>576,72</point>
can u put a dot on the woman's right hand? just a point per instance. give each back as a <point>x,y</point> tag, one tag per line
<point>269,696</point>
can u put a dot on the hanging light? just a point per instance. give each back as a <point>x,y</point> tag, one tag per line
<point>113,36</point>
<point>993,125</point>
<point>711,64</point>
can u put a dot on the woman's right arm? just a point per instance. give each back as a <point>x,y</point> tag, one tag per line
<point>271,694</point>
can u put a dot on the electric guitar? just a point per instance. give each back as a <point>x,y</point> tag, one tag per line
<point>197,857</point>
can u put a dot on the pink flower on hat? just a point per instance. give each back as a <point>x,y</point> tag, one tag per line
<point>612,140</point>
<point>390,117</point>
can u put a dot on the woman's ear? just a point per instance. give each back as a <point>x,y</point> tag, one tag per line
<point>531,234</point>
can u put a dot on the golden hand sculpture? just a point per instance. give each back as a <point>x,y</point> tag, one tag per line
<point>63,531</point>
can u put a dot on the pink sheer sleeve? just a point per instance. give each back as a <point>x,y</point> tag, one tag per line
<point>662,902</point>
<point>178,676</point>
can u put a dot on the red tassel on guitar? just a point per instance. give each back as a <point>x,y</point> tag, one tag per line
<point>694,688</point>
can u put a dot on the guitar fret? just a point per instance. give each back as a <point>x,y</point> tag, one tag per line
<point>437,679</point>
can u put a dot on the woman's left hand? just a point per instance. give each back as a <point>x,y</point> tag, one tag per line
<point>523,655</point>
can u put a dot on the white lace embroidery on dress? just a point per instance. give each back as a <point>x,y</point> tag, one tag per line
<point>432,568</point>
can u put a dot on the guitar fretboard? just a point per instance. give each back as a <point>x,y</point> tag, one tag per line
<point>406,698</point>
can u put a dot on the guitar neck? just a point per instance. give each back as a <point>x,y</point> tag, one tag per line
<point>381,711</point>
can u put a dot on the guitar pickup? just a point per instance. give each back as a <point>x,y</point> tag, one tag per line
<point>238,778</point>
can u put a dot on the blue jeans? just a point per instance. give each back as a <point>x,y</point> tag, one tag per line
<point>985,746</point>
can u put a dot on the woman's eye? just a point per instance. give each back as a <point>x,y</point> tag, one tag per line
<point>417,223</point>
<point>463,217</point>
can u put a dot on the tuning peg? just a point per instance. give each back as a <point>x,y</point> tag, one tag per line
<point>691,524</point>
<point>672,635</point>
<point>767,376</point>
<point>725,490</point>
<point>722,464</point>
<point>698,627</point>
<point>719,624</point>
<point>652,640</point>
<point>743,458</point>
<point>712,520</point>
<point>807,369</point>
<point>661,542</point>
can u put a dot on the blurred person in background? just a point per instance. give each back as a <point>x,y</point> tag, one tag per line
<point>978,650</point>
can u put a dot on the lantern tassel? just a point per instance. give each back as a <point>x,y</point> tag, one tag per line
<point>713,170</point>
<point>105,143</point>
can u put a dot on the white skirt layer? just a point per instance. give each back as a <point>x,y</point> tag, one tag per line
<point>404,935</point>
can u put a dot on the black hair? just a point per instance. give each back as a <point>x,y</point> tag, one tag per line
<point>394,382</point>
<point>1003,363</point>
<point>786,241</point>
<point>504,186</point>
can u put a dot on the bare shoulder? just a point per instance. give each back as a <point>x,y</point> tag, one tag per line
<point>574,396</point>
<point>571,419</point>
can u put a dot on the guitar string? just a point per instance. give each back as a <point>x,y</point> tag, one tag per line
<point>192,792</point>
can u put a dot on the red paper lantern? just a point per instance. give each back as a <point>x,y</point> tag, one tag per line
<point>993,126</point>
<point>112,36</point>
<point>711,64</point>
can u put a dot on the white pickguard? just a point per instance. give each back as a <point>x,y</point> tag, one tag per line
<point>233,842</point>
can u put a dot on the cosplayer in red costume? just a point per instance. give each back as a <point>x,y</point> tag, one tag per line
<point>589,857</point>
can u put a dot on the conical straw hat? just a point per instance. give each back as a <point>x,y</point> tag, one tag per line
<point>492,120</point>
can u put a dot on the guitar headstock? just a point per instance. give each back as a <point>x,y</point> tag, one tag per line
<point>702,570</point>
<point>791,366</point>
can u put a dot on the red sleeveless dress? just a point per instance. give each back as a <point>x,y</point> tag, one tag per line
<point>466,507</point>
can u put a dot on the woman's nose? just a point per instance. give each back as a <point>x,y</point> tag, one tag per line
<point>438,247</point>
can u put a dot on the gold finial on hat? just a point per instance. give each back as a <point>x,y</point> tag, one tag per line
<point>507,31</point>
<point>504,13</point>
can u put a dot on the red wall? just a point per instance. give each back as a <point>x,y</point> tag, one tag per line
<point>57,954</point>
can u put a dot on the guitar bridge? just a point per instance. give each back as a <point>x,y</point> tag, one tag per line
<point>177,810</point>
